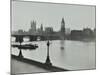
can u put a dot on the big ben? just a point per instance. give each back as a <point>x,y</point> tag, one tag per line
<point>63,27</point>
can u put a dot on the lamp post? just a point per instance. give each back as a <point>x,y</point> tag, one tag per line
<point>48,62</point>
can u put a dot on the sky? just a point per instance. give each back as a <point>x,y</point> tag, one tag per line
<point>76,17</point>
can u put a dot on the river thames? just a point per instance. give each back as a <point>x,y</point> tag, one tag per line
<point>68,54</point>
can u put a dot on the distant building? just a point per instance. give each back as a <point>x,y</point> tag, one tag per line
<point>32,30</point>
<point>63,26</point>
<point>14,32</point>
<point>48,30</point>
<point>20,31</point>
<point>62,31</point>
<point>76,34</point>
<point>41,28</point>
<point>33,25</point>
<point>38,30</point>
<point>87,32</point>
<point>67,31</point>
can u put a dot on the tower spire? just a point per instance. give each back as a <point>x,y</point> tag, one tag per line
<point>63,26</point>
<point>62,29</point>
<point>41,27</point>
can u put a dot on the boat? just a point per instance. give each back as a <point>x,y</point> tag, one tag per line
<point>26,46</point>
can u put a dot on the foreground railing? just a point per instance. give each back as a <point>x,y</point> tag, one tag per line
<point>39,64</point>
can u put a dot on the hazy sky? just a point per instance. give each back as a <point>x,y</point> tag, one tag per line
<point>50,15</point>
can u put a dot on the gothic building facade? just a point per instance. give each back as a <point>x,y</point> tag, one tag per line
<point>32,30</point>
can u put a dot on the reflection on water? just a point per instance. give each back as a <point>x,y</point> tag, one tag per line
<point>26,39</point>
<point>67,54</point>
<point>62,42</point>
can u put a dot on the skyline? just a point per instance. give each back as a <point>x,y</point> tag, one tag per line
<point>76,17</point>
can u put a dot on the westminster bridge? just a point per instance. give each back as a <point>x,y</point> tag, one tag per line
<point>36,37</point>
